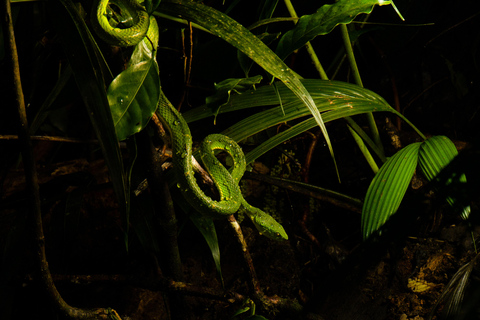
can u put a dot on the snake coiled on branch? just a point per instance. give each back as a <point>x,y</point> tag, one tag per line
<point>227,183</point>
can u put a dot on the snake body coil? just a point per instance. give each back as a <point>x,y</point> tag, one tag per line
<point>230,197</point>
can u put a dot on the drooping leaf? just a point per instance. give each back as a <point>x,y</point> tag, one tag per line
<point>245,62</point>
<point>323,22</point>
<point>334,100</point>
<point>434,155</point>
<point>207,228</point>
<point>320,90</point>
<point>238,36</point>
<point>388,188</point>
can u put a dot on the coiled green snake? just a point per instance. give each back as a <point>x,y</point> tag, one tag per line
<point>230,196</point>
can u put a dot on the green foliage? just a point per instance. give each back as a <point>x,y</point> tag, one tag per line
<point>322,22</point>
<point>133,96</point>
<point>87,64</point>
<point>434,155</point>
<point>238,36</point>
<point>388,188</point>
<point>121,105</point>
<point>226,88</point>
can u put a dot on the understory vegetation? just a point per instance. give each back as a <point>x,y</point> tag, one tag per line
<point>356,123</point>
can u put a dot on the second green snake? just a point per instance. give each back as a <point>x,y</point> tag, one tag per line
<point>230,197</point>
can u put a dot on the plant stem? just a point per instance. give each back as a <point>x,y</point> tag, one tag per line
<point>31,179</point>
<point>358,81</point>
<point>308,45</point>
<point>364,150</point>
<point>165,211</point>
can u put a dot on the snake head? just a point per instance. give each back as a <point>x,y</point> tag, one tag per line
<point>266,224</point>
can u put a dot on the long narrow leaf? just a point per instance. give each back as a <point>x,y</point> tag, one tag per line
<point>320,90</point>
<point>338,113</point>
<point>388,188</point>
<point>334,100</point>
<point>238,36</point>
<point>84,59</point>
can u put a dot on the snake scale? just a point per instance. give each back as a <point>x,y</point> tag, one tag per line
<point>230,196</point>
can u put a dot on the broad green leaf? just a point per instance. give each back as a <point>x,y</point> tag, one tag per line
<point>388,188</point>
<point>434,155</point>
<point>238,36</point>
<point>323,22</point>
<point>87,64</point>
<point>133,97</point>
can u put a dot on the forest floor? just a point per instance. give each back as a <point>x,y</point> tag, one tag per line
<point>403,282</point>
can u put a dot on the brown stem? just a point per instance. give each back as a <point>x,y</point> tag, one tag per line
<point>336,199</point>
<point>328,245</point>
<point>32,182</point>
<point>305,174</point>
<point>187,64</point>
<point>252,275</point>
<point>165,212</point>
<point>273,304</point>
<point>48,138</point>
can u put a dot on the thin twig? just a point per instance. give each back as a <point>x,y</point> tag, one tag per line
<point>273,304</point>
<point>49,138</point>
<point>165,212</point>
<point>334,198</point>
<point>305,174</point>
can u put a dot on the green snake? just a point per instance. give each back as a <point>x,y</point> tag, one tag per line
<point>227,183</point>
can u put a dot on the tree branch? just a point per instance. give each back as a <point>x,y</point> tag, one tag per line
<point>32,181</point>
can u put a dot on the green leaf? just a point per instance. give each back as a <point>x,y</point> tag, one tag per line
<point>87,65</point>
<point>387,189</point>
<point>245,62</point>
<point>207,228</point>
<point>434,155</point>
<point>225,88</point>
<point>238,36</point>
<point>334,100</point>
<point>133,97</point>
<point>323,22</point>
<point>322,91</point>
